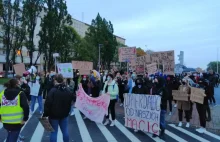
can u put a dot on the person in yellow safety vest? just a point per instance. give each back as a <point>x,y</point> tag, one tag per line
<point>14,109</point>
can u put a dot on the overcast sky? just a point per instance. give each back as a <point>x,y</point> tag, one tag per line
<point>192,26</point>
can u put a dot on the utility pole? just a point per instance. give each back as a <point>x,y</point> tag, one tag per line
<point>99,65</point>
<point>217,59</point>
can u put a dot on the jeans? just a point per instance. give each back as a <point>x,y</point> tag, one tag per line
<point>39,100</point>
<point>13,136</point>
<point>63,123</point>
<point>162,119</point>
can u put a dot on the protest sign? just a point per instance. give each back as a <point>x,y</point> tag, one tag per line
<point>127,54</point>
<point>46,124</point>
<point>66,69</point>
<point>142,112</point>
<point>166,59</point>
<point>180,95</point>
<point>197,95</point>
<point>93,108</point>
<point>152,68</point>
<point>34,87</point>
<point>84,67</point>
<point>19,69</point>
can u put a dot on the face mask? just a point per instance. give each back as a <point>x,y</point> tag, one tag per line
<point>84,78</point>
<point>139,86</point>
<point>108,78</point>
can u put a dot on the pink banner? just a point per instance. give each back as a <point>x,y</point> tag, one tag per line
<point>93,108</point>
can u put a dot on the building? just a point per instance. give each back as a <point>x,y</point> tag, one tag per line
<point>81,28</point>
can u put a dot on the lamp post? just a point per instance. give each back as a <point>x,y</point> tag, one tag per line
<point>55,55</point>
<point>217,59</point>
<point>99,65</point>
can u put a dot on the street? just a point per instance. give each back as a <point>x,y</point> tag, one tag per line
<point>81,130</point>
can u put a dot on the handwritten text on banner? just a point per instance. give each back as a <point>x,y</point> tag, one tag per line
<point>93,108</point>
<point>142,112</point>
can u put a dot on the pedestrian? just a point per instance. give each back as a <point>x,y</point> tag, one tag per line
<point>84,83</point>
<point>184,105</point>
<point>139,87</point>
<point>13,104</point>
<point>122,84</point>
<point>57,107</point>
<point>111,88</point>
<point>38,86</point>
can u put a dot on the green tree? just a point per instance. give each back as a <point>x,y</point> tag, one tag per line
<point>10,17</point>
<point>102,32</point>
<point>213,65</point>
<point>52,25</point>
<point>31,12</point>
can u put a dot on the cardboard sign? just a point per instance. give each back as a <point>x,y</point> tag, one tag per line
<point>93,108</point>
<point>140,69</point>
<point>142,112</point>
<point>166,59</point>
<point>197,95</point>
<point>66,69</point>
<point>34,88</point>
<point>180,95</point>
<point>46,124</point>
<point>127,54</point>
<point>19,69</point>
<point>152,68</point>
<point>84,67</point>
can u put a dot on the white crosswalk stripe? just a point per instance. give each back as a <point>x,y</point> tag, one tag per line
<point>189,133</point>
<point>107,132</point>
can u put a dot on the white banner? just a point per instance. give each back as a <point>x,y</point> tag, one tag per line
<point>142,112</point>
<point>66,69</point>
<point>34,87</point>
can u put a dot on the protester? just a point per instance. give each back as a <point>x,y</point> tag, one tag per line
<point>131,81</point>
<point>122,84</point>
<point>184,105</point>
<point>111,88</point>
<point>24,86</point>
<point>84,83</point>
<point>39,95</point>
<point>211,78</point>
<point>57,107</point>
<point>10,98</point>
<point>170,97</point>
<point>139,87</point>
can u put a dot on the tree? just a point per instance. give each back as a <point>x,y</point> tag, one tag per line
<point>102,32</point>
<point>31,11</point>
<point>10,17</point>
<point>140,52</point>
<point>52,25</point>
<point>213,65</point>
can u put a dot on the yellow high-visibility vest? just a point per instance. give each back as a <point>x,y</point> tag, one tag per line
<point>10,110</point>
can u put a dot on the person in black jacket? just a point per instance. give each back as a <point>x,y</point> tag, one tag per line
<point>11,94</point>
<point>163,92</point>
<point>57,107</point>
<point>139,87</point>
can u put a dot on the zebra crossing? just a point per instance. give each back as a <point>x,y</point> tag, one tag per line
<point>81,130</point>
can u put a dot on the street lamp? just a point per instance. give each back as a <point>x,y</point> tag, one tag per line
<point>217,59</point>
<point>99,57</point>
<point>55,55</point>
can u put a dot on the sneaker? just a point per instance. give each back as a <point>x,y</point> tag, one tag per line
<point>106,122</point>
<point>113,123</point>
<point>170,113</point>
<point>32,112</point>
<point>201,130</point>
<point>72,113</point>
<point>85,117</point>
<point>135,131</point>
<point>175,105</point>
<point>187,125</point>
<point>41,112</point>
<point>121,105</point>
<point>180,124</point>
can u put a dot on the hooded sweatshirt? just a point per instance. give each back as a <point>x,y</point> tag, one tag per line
<point>11,94</point>
<point>112,89</point>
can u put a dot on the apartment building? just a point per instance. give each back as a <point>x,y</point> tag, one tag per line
<point>79,26</point>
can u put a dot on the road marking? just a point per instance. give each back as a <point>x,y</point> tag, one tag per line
<point>172,135</point>
<point>212,135</point>
<point>156,139</point>
<point>109,137</point>
<point>38,133</point>
<point>189,133</point>
<point>126,132</point>
<point>82,127</point>
<point>35,108</point>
